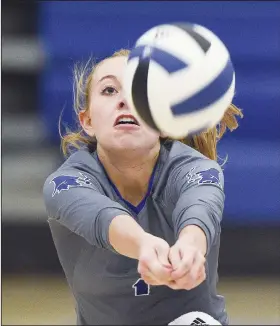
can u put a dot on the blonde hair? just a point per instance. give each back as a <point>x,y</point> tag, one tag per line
<point>205,142</point>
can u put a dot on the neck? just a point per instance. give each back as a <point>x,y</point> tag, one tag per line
<point>130,174</point>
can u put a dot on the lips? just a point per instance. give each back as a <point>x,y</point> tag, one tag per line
<point>126,119</point>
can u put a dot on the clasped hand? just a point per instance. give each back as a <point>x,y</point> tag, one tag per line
<point>180,267</point>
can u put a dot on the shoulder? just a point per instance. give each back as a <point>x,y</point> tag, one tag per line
<point>81,161</point>
<point>186,163</point>
<point>179,154</point>
<point>179,150</point>
<point>81,169</point>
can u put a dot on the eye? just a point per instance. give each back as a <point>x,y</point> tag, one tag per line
<point>109,90</point>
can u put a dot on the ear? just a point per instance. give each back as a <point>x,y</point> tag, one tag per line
<point>85,122</point>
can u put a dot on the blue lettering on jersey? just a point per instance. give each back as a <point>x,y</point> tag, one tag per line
<point>210,176</point>
<point>65,182</point>
<point>141,288</point>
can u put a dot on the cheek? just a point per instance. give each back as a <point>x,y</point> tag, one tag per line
<point>151,132</point>
<point>98,118</point>
<point>102,114</point>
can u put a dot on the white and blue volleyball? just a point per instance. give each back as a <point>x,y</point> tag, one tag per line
<point>195,318</point>
<point>179,79</point>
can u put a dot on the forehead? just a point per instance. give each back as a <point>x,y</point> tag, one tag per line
<point>111,66</point>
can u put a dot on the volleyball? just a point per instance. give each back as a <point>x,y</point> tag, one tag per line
<point>195,318</point>
<point>179,79</point>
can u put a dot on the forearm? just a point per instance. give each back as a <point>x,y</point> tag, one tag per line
<point>126,236</point>
<point>195,236</point>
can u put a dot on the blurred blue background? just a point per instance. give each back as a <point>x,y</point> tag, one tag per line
<point>74,31</point>
<point>41,43</point>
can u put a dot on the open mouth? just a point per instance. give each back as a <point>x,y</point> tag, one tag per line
<point>126,120</point>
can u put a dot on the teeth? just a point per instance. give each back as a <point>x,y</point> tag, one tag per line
<point>126,120</point>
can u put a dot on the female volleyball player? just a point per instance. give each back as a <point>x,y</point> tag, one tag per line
<point>135,217</point>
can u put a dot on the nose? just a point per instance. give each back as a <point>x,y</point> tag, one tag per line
<point>122,104</point>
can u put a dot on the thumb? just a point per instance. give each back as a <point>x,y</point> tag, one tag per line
<point>175,257</point>
<point>162,253</point>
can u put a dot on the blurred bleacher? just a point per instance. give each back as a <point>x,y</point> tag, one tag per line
<point>38,63</point>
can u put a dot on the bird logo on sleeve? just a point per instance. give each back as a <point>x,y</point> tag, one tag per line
<point>65,182</point>
<point>209,176</point>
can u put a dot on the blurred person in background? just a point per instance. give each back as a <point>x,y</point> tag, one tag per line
<point>135,217</point>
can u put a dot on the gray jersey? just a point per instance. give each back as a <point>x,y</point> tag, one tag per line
<point>186,188</point>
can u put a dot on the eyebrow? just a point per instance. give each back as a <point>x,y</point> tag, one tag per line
<point>107,77</point>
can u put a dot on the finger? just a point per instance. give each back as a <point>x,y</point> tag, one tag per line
<point>196,283</point>
<point>160,272</point>
<point>195,271</point>
<point>147,274</point>
<point>184,266</point>
<point>175,257</point>
<point>144,271</point>
<point>149,280</point>
<point>162,254</point>
<point>173,285</point>
<point>142,267</point>
<point>155,282</point>
<point>153,269</point>
<point>187,281</point>
<point>146,260</point>
<point>197,267</point>
<point>201,272</point>
<point>191,284</point>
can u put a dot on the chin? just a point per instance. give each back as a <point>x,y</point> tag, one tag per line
<point>131,144</point>
<point>128,145</point>
<point>125,144</point>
